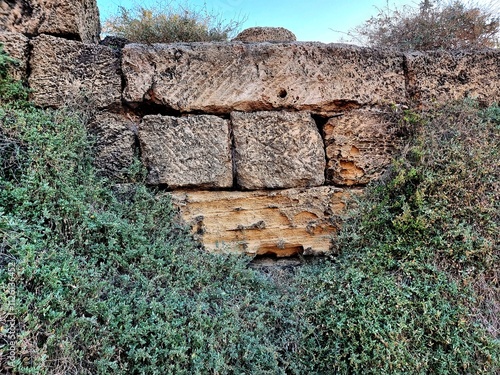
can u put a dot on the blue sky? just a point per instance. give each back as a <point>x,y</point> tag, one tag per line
<point>309,20</point>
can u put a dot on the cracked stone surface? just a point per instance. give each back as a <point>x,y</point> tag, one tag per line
<point>77,19</point>
<point>17,46</point>
<point>281,222</point>
<point>444,76</point>
<point>65,71</point>
<point>360,145</point>
<point>187,151</point>
<point>223,77</point>
<point>277,150</point>
<point>114,142</point>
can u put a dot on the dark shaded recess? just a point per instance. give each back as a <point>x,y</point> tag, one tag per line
<point>114,42</point>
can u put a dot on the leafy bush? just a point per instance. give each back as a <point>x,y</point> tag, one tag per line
<point>435,24</point>
<point>166,23</point>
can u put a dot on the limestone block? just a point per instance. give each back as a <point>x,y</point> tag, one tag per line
<point>443,76</point>
<point>76,19</point>
<point>16,45</point>
<point>279,222</point>
<point>114,142</point>
<point>63,71</point>
<point>223,77</point>
<point>277,150</point>
<point>265,34</point>
<point>187,151</point>
<point>359,147</point>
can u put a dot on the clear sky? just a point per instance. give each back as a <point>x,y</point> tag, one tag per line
<point>309,20</point>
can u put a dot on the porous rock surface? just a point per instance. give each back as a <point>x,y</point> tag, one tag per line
<point>359,146</point>
<point>114,142</point>
<point>265,34</point>
<point>450,75</point>
<point>277,150</point>
<point>222,77</point>
<point>187,151</point>
<point>279,222</point>
<point>16,45</point>
<point>64,71</point>
<point>76,19</point>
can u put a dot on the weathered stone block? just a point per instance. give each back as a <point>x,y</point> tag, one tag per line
<point>16,45</point>
<point>277,150</point>
<point>114,142</point>
<point>187,151</point>
<point>280,222</point>
<point>63,71</point>
<point>77,19</point>
<point>443,76</point>
<point>265,34</point>
<point>222,77</point>
<point>360,144</point>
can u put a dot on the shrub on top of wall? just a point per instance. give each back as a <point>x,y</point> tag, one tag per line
<point>166,23</point>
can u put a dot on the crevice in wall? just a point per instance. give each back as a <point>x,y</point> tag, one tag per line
<point>151,108</point>
<point>66,36</point>
<point>321,121</point>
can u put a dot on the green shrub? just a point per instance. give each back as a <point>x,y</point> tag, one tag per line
<point>402,296</point>
<point>166,23</point>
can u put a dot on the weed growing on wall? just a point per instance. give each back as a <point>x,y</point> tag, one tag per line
<point>415,289</point>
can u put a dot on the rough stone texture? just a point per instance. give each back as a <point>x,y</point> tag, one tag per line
<point>222,77</point>
<point>187,151</point>
<point>277,150</point>
<point>360,145</point>
<point>281,222</point>
<point>265,34</point>
<point>443,76</point>
<point>16,45</point>
<point>64,71</point>
<point>76,19</point>
<point>114,142</point>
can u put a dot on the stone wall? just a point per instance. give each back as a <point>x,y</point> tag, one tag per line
<point>259,144</point>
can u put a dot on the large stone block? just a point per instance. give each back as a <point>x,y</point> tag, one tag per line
<point>280,222</point>
<point>360,144</point>
<point>189,151</point>
<point>277,150</point>
<point>443,76</point>
<point>63,71</point>
<point>17,46</point>
<point>114,142</point>
<point>222,77</point>
<point>76,19</point>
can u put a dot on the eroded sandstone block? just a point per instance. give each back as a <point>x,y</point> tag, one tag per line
<point>280,222</point>
<point>277,150</point>
<point>64,71</point>
<point>187,151</point>
<point>360,144</point>
<point>16,45</point>
<point>77,19</point>
<point>443,76</point>
<point>114,142</point>
<point>265,34</point>
<point>223,77</point>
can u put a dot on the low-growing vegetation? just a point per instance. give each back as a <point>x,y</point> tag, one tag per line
<point>102,279</point>
<point>169,23</point>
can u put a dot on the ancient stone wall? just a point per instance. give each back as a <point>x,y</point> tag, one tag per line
<point>259,144</point>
